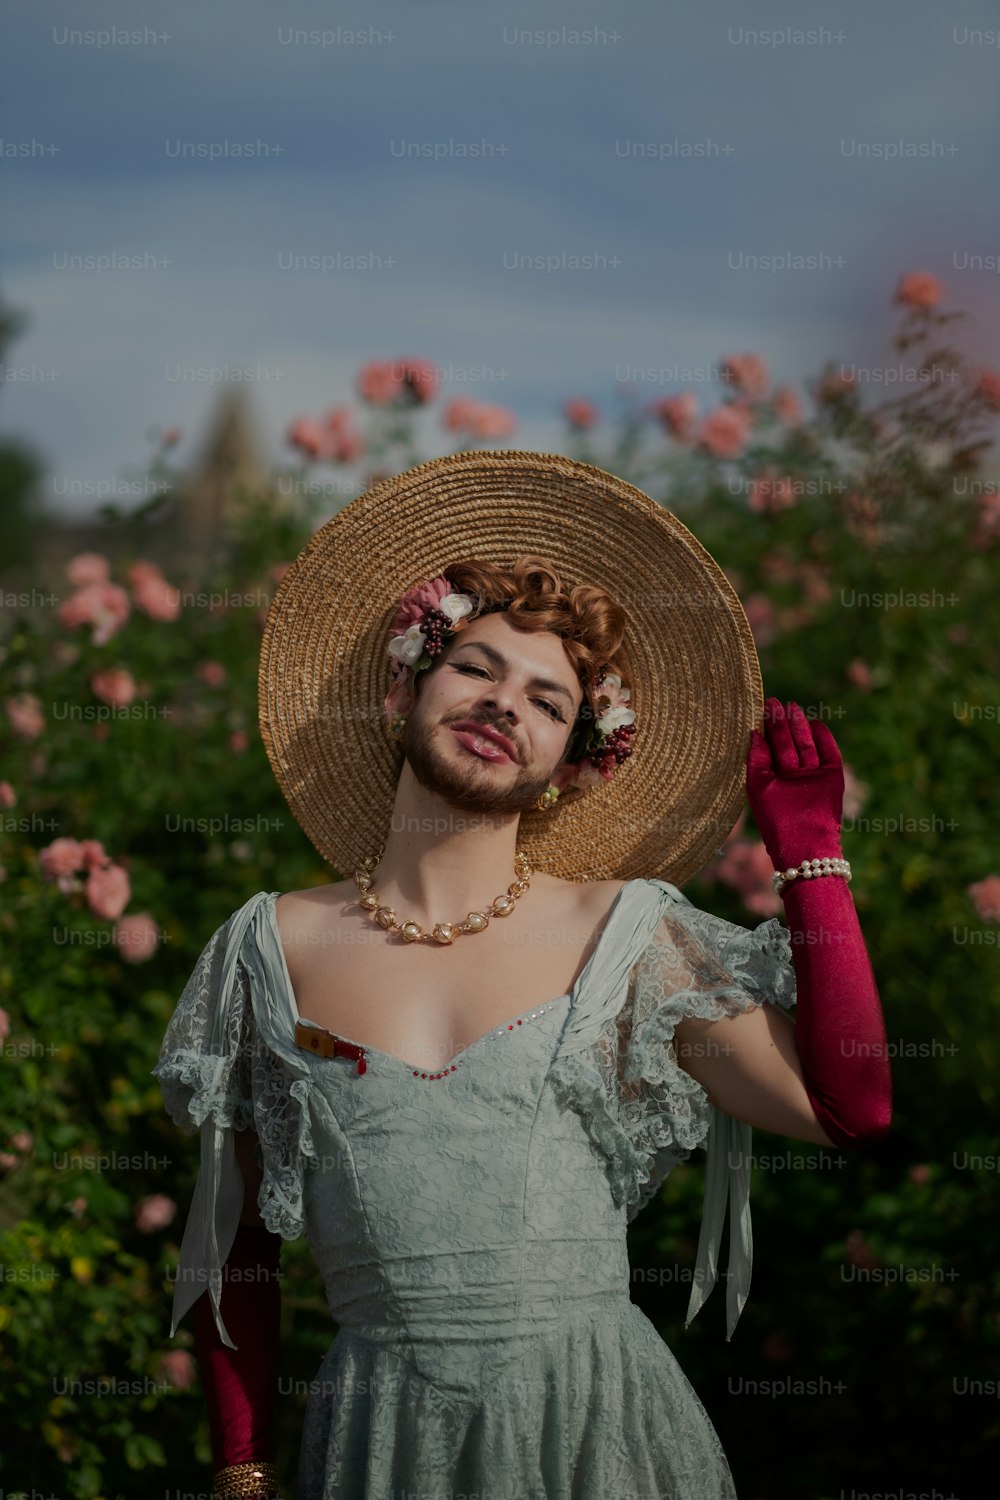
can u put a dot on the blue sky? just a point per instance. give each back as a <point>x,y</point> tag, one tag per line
<point>567,123</point>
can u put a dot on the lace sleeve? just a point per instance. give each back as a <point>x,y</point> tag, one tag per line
<point>645,1111</point>
<point>207,1066</point>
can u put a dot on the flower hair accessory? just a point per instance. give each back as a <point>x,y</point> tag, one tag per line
<point>432,613</point>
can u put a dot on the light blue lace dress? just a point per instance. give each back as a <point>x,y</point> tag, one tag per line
<point>470,1229</point>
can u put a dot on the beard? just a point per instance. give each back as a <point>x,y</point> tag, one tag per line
<point>469,784</point>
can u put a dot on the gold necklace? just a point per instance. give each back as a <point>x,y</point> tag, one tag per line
<point>444,932</point>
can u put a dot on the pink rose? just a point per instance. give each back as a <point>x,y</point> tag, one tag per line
<point>156,597</point>
<point>988,385</point>
<point>378,383</point>
<point>919,289</point>
<point>419,377</point>
<point>22,1141</point>
<point>725,431</point>
<point>108,892</point>
<point>677,414</point>
<point>60,858</point>
<point>859,673</point>
<point>212,672</point>
<point>768,493</point>
<point>458,414</point>
<point>137,937</point>
<point>986,895</point>
<point>155,1212</point>
<point>491,422</point>
<point>580,414</point>
<point>93,854</point>
<point>855,793</point>
<point>920,1174</point>
<point>26,717</point>
<point>746,867</point>
<point>106,606</point>
<point>777,567</point>
<point>87,567</point>
<point>4,1025</point>
<point>277,571</point>
<point>113,685</point>
<point>178,1368</point>
<point>748,372</point>
<point>311,437</point>
<point>787,407</point>
<point>8,796</point>
<point>238,741</point>
<point>761,617</point>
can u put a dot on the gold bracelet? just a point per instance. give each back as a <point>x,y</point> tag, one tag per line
<point>251,1478</point>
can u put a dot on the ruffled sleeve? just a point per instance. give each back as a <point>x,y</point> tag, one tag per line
<point>643,1109</point>
<point>218,1075</point>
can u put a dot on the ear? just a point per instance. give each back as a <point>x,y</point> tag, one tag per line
<point>400,697</point>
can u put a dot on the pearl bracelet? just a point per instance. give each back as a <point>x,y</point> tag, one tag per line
<point>809,869</point>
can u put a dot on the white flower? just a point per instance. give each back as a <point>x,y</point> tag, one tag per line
<point>615,717</point>
<point>408,647</point>
<point>456,606</point>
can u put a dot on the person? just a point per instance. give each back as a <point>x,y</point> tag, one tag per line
<point>359,1057</point>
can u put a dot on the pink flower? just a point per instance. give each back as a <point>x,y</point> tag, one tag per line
<point>312,437</point>
<point>986,895</point>
<point>155,1212</point>
<point>988,385</point>
<point>416,601</point>
<point>61,858</point>
<point>93,854</point>
<point>137,937</point>
<point>106,606</point>
<point>580,413</point>
<point>859,673</point>
<point>787,407</point>
<point>724,431</point>
<point>419,377</point>
<point>8,1160</point>
<point>238,741</point>
<point>477,418</point>
<point>861,517</point>
<point>156,597</point>
<point>278,570</point>
<point>815,584</point>
<point>212,672</point>
<point>746,866</point>
<point>24,711</point>
<point>748,372</point>
<point>767,493</point>
<point>87,567</point>
<point>22,1141</point>
<point>108,892</point>
<point>378,383</point>
<point>169,437</point>
<point>677,414</point>
<point>4,1025</point>
<point>761,617</point>
<point>919,289</point>
<point>178,1368</point>
<point>114,685</point>
<point>920,1174</point>
<point>855,793</point>
<point>458,414</point>
<point>8,796</point>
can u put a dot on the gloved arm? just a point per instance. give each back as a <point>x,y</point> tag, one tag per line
<point>241,1384</point>
<point>795,786</point>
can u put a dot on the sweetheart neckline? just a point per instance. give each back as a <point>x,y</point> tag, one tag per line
<point>510,1021</point>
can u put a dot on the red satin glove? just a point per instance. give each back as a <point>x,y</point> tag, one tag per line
<point>795,787</point>
<point>241,1384</point>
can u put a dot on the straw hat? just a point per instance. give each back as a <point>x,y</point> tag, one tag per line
<point>688,657</point>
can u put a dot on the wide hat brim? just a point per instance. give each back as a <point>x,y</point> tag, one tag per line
<point>688,657</point>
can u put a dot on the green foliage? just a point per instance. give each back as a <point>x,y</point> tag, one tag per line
<point>178,791</point>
